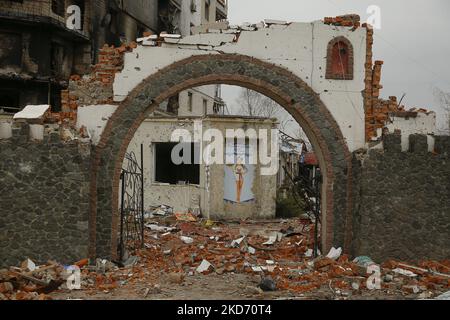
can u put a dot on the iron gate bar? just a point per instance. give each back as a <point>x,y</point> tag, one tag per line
<point>132,204</point>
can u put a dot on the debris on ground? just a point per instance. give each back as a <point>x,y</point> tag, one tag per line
<point>31,282</point>
<point>276,253</point>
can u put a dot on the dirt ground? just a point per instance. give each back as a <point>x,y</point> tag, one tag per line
<point>167,269</point>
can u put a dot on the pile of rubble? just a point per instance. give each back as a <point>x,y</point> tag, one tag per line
<point>279,252</point>
<point>30,282</point>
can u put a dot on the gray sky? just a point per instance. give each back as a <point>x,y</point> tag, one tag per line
<point>414,40</point>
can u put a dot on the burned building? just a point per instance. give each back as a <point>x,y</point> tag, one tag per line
<point>40,49</point>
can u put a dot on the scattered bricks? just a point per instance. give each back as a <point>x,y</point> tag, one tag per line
<point>324,262</point>
<point>6,287</point>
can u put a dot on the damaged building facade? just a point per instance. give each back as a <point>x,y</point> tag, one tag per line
<point>218,191</point>
<point>39,52</point>
<point>382,194</point>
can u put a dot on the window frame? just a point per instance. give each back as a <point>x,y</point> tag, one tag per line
<point>349,73</point>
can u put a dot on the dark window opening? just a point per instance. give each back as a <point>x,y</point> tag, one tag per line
<point>9,101</point>
<point>168,172</point>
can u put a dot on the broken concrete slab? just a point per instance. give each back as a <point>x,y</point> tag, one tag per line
<point>32,112</point>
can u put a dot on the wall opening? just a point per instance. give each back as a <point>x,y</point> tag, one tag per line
<point>166,171</point>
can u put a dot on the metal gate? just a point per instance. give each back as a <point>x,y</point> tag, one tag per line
<point>308,188</point>
<point>131,204</point>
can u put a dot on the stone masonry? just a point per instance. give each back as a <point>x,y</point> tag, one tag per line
<point>44,198</point>
<point>402,200</point>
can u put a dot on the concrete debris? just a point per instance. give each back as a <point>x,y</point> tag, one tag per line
<point>155,227</point>
<point>405,272</point>
<point>32,112</point>
<point>334,253</point>
<point>444,296</point>
<point>104,266</point>
<point>131,261</point>
<point>236,243</point>
<point>274,237</point>
<point>28,265</point>
<point>170,36</point>
<point>204,266</point>
<point>187,240</point>
<point>158,211</point>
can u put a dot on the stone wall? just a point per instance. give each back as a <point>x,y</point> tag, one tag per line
<point>402,200</point>
<point>44,201</point>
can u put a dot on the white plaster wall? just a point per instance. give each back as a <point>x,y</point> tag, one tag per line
<point>210,194</point>
<point>198,94</point>
<point>5,126</point>
<point>342,97</point>
<point>422,124</point>
<point>94,118</point>
<point>298,47</point>
<point>178,196</point>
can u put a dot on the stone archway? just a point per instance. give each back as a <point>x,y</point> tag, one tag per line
<point>275,82</point>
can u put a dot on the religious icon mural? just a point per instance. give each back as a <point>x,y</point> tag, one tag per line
<point>239,176</point>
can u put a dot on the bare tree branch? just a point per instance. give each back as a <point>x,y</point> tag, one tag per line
<point>444,100</point>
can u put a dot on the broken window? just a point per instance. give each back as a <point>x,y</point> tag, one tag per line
<point>166,171</point>
<point>340,59</point>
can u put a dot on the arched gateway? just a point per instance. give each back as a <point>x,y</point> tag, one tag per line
<point>151,74</point>
<point>380,199</point>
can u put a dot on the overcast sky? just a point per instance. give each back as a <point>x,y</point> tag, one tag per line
<point>414,40</point>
